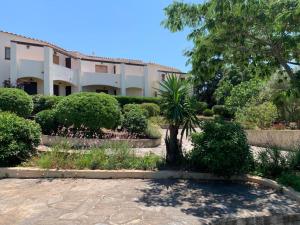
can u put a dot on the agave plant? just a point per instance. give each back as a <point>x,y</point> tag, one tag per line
<point>177,108</point>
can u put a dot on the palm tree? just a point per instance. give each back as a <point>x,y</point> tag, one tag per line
<point>177,108</point>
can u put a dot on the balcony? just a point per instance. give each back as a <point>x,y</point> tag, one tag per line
<point>89,78</point>
<point>134,81</point>
<point>62,73</point>
<point>30,68</point>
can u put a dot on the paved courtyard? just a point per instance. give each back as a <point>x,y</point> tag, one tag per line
<point>149,202</point>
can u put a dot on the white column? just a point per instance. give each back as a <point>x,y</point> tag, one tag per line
<point>48,71</point>
<point>146,82</point>
<point>13,64</point>
<point>78,75</point>
<point>123,80</point>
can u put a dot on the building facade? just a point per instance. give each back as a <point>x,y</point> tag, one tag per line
<point>40,67</point>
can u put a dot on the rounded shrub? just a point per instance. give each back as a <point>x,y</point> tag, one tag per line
<point>152,109</point>
<point>16,101</point>
<point>129,107</point>
<point>48,121</point>
<point>221,149</point>
<point>89,110</point>
<point>208,112</point>
<point>200,107</point>
<point>222,111</point>
<point>18,138</point>
<point>261,116</point>
<point>135,122</point>
<point>41,102</point>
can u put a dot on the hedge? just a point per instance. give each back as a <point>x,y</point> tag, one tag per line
<point>18,138</point>
<point>89,110</point>
<point>123,100</point>
<point>42,102</point>
<point>16,101</point>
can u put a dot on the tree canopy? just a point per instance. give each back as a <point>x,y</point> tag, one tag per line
<point>256,37</point>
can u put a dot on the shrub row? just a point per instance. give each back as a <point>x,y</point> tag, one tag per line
<point>123,100</point>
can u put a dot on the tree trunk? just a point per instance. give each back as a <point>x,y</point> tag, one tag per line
<point>174,151</point>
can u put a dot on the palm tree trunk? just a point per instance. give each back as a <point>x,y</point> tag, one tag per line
<point>174,151</point>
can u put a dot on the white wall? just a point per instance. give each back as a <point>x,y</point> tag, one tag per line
<point>94,88</point>
<point>134,92</point>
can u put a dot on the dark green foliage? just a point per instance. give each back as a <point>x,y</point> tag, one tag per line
<point>243,93</point>
<point>89,110</point>
<point>42,102</point>
<point>152,109</point>
<point>208,112</point>
<point>18,138</point>
<point>291,180</point>
<point>222,111</point>
<point>200,106</point>
<point>221,149</point>
<point>48,121</point>
<point>271,163</point>
<point>16,101</point>
<point>223,35</point>
<point>135,121</point>
<point>123,100</point>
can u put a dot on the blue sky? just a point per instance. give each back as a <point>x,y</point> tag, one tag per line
<point>112,28</point>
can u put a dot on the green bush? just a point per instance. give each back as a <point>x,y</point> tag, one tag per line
<point>135,122</point>
<point>42,102</point>
<point>123,100</point>
<point>129,107</point>
<point>16,101</point>
<point>90,110</point>
<point>200,107</point>
<point>152,109</point>
<point>243,93</point>
<point>18,138</point>
<point>208,112</point>
<point>221,149</point>
<point>48,121</point>
<point>262,116</point>
<point>271,163</point>
<point>153,131</point>
<point>222,111</point>
<point>291,180</point>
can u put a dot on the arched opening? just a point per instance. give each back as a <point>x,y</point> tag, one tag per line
<point>31,85</point>
<point>102,88</point>
<point>132,91</point>
<point>63,88</point>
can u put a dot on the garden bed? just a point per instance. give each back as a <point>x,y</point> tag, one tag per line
<point>284,139</point>
<point>49,140</point>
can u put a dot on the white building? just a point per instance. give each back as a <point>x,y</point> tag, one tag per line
<point>43,68</point>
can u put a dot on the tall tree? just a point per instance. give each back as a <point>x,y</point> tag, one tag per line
<point>257,36</point>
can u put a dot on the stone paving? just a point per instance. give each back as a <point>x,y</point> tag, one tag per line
<point>148,202</point>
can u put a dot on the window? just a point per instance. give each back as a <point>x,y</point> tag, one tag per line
<point>56,59</point>
<point>56,89</point>
<point>68,63</point>
<point>101,69</point>
<point>115,69</point>
<point>7,53</point>
<point>68,90</point>
<point>163,77</point>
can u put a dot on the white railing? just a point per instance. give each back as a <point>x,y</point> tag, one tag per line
<point>89,78</point>
<point>31,68</point>
<point>62,73</point>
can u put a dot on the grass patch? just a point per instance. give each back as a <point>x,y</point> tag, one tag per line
<point>112,157</point>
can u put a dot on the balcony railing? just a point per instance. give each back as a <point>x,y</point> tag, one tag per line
<point>30,68</point>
